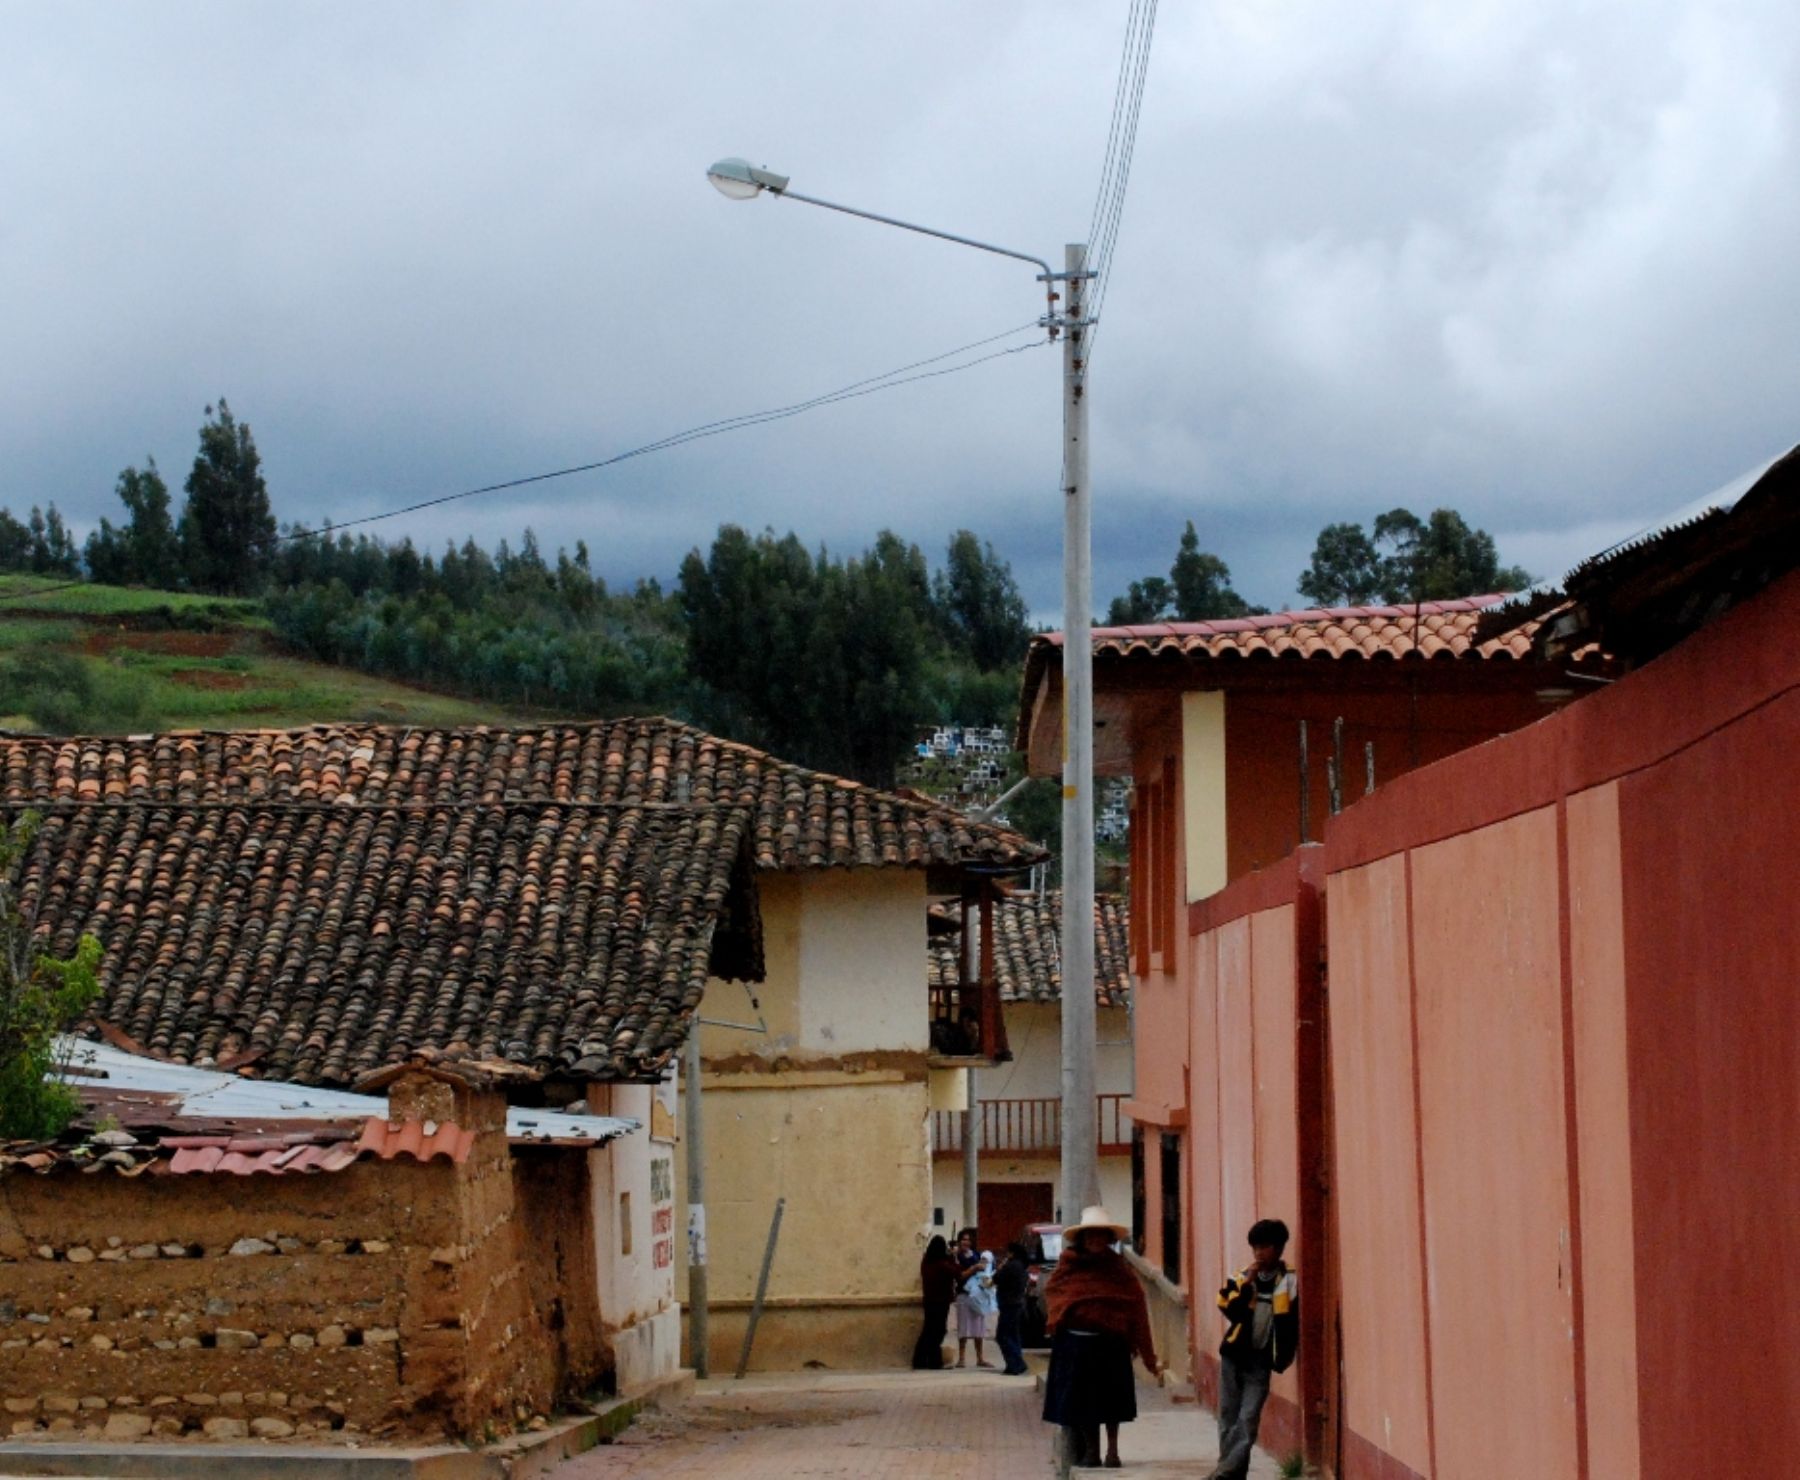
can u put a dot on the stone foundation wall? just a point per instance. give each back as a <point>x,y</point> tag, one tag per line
<point>389,1297</point>
<point>230,1304</point>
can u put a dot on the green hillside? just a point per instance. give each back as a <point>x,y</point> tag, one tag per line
<point>92,658</point>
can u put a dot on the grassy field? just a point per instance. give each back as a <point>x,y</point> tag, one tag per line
<point>25,595</point>
<point>163,660</point>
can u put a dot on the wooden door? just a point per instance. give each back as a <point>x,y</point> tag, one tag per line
<point>1004,1208</point>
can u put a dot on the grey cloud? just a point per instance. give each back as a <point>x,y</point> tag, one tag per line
<point>1527,260</point>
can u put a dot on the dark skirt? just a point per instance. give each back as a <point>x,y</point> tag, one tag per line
<point>1090,1380</point>
<point>928,1350</point>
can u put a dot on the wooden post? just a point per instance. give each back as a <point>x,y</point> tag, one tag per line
<point>762,1289</point>
<point>1305,789</point>
<point>1337,765</point>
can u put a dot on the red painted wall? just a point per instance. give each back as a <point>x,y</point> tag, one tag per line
<point>1262,744</point>
<point>1712,962</point>
<point>1574,952</point>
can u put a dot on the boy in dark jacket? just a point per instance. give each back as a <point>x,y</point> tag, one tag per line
<point>1261,1306</point>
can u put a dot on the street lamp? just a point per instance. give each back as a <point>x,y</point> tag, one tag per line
<point>740,180</point>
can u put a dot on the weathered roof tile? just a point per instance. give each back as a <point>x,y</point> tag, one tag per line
<point>330,900</point>
<point>1028,948</point>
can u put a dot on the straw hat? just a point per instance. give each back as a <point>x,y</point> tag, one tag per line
<point>1097,1217</point>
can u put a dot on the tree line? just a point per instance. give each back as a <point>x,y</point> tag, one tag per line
<point>828,659</point>
<point>1404,559</point>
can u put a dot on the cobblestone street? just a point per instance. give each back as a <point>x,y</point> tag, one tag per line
<point>886,1426</point>
<point>876,1426</point>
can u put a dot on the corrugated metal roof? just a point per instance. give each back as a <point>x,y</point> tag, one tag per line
<point>1722,500</point>
<point>208,1093</point>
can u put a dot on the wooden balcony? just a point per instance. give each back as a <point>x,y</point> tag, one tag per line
<point>1029,1128</point>
<point>968,1026</point>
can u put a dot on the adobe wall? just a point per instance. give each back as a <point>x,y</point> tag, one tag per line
<point>849,1152</point>
<point>550,1190</point>
<point>390,1296</point>
<point>478,1339</point>
<point>175,1303</point>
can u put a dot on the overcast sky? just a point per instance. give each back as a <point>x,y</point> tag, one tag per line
<point>1532,259</point>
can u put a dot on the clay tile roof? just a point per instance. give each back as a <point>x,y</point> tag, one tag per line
<point>1437,630</point>
<point>1028,948</point>
<point>327,901</point>
<point>1432,628</point>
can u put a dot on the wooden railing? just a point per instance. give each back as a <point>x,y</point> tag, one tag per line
<point>1030,1127</point>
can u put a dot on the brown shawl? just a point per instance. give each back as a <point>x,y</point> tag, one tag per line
<point>938,1279</point>
<point>1098,1292</point>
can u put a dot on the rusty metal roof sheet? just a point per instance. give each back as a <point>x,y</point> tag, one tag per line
<point>103,1072</point>
<point>173,1120</point>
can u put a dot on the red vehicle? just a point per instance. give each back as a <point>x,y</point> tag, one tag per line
<point>1043,1247</point>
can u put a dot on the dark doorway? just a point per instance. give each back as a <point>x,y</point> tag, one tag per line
<point>1004,1208</point>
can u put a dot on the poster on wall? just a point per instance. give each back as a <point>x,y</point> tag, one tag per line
<point>662,1212</point>
<point>662,1109</point>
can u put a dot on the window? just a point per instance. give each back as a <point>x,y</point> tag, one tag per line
<point>1137,1188</point>
<point>1171,1206</point>
<point>624,1224</point>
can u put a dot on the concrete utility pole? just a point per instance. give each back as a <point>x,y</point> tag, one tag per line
<point>1080,1154</point>
<point>971,1116</point>
<point>738,179</point>
<point>696,1197</point>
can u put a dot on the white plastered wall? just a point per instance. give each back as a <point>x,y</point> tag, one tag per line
<point>637,1288</point>
<point>1034,1031</point>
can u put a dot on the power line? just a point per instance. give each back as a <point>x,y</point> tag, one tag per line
<point>855,390</point>
<point>1115,178</point>
<point>1109,158</point>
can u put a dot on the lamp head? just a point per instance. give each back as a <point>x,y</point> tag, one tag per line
<point>738,179</point>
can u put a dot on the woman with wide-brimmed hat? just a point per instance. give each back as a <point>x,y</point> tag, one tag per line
<point>1098,1320</point>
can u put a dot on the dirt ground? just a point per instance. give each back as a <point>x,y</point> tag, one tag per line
<point>102,640</point>
<point>885,1426</point>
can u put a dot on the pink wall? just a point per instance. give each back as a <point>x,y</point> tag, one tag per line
<point>1712,970</point>
<point>1385,1403</point>
<point>1494,1157</point>
<point>1574,951</point>
<point>1564,1087</point>
<point>1247,1111</point>
<point>1603,1128</point>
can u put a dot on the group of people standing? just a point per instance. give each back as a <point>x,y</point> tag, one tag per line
<point>987,1295</point>
<point>1098,1321</point>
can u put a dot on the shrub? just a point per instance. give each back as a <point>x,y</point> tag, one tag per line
<point>40,999</point>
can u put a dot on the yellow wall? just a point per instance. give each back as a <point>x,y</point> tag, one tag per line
<point>1203,791</point>
<point>847,1152</point>
<point>844,956</point>
<point>828,1110</point>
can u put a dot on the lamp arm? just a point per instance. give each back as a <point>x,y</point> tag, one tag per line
<point>967,241</point>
